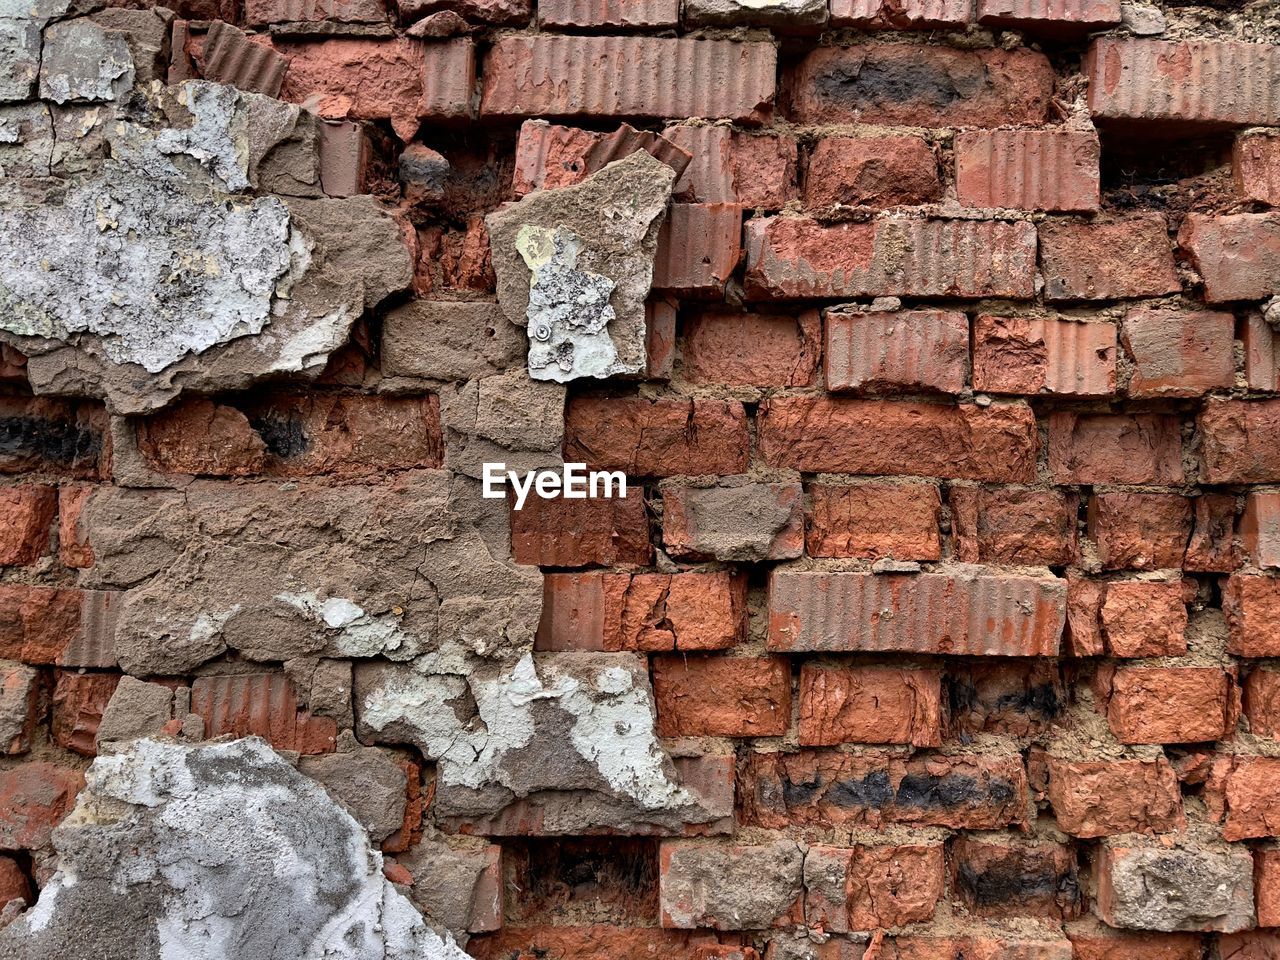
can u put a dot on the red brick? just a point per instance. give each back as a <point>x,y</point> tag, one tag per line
<point>870,520</point>
<point>995,444</point>
<point>1240,440</point>
<point>795,257</point>
<point>21,693</point>
<point>1020,698</point>
<point>870,705</point>
<point>657,439</point>
<point>1054,170</point>
<point>998,946</point>
<point>78,702</point>
<point>1191,83</point>
<point>659,338</point>
<point>73,539</point>
<point>1237,255</point>
<point>1035,355</point>
<point>1144,618</point>
<point>37,623</point>
<point>908,85</point>
<point>1251,945</point>
<point>825,788</point>
<point>233,58</point>
<point>752,349</point>
<point>747,523</point>
<point>558,76</point>
<point>1139,531</point>
<point>1058,19</point>
<point>1127,945</point>
<point>580,533</point>
<point>1252,606</point>
<point>590,14</point>
<point>708,884</point>
<point>1212,547</point>
<point>698,248</point>
<point>871,171</point>
<point>26,513</point>
<point>262,705</point>
<point>1266,884</point>
<point>260,13</point>
<point>1179,353</point>
<point>916,613</point>
<point>911,350</point>
<point>1098,798</point>
<point>549,155</point>
<point>597,940</point>
<point>750,696</point>
<point>34,798</point>
<point>869,886</point>
<point>1244,792</point>
<point>1015,879</point>
<point>1115,448</point>
<point>900,14</point>
<point>1170,704</point>
<point>1108,260</point>
<point>1013,526</point>
<point>735,166</point>
<point>14,885</point>
<point>58,437</point>
<point>1261,359</point>
<point>1084,622</point>
<point>1255,166</point>
<point>410,830</point>
<point>1262,702</point>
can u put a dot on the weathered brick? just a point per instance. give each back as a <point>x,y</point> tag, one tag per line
<point>795,257</point>
<point>1252,606</point>
<point>661,438</point>
<point>1144,618</point>
<point>1020,698</point>
<point>1084,621</point>
<point>1098,798</point>
<point>14,886</point>
<point>79,700</point>
<point>73,539</point>
<point>1188,83</point>
<point>1262,701</point>
<point>1107,260</point>
<point>871,171</point>
<point>1212,547</point>
<point>593,940</point>
<point>260,13</point>
<point>870,705</point>
<point>1139,531</point>
<point>729,886</point>
<point>1013,879</point>
<point>825,788</point>
<point>591,14</point>
<point>907,85</point>
<point>735,166</point>
<point>1170,704</point>
<point>1179,353</point>
<point>996,444</point>
<point>1261,359</point>
<point>921,613</point>
<point>1240,440</point>
<point>869,886</point>
<point>792,16</point>
<point>698,248</point>
<point>1153,888</point>
<point>263,705</point>
<point>37,623</point>
<point>558,76</point>
<point>1237,255</point>
<point>911,350</point>
<point>20,691</point>
<point>40,435</point>
<point>1104,943</point>
<point>752,695</point>
<point>580,533</point>
<point>1255,166</point>
<point>870,520</point>
<point>1266,884</point>
<point>1055,170</point>
<point>752,349</point>
<point>449,340</point>
<point>1051,18</point>
<point>1013,526</point>
<point>749,522</point>
<point>34,798</point>
<point>1244,793</point>
<point>1036,355</point>
<point>901,14</point>
<point>26,513</point>
<point>1115,448</point>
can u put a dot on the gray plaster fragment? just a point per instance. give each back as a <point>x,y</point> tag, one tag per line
<point>456,886</point>
<point>729,886</point>
<point>574,266</point>
<point>19,57</point>
<point>136,709</point>
<point>747,523</point>
<point>146,32</point>
<point>447,340</point>
<point>215,852</point>
<point>26,140</point>
<point>366,782</point>
<point>1181,889</point>
<point>84,61</point>
<point>775,13</point>
<point>1142,20</point>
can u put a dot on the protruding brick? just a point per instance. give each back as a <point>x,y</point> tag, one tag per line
<point>1179,353</point>
<point>1189,888</point>
<point>1255,166</point>
<point>748,522</point>
<point>1108,260</point>
<point>1084,621</point>
<point>20,691</point>
<point>1252,606</point>
<point>1240,440</point>
<point>906,85</point>
<point>752,349</point>
<point>1244,792</point>
<point>657,439</point>
<point>870,705</point>
<point>1015,879</point>
<point>1212,546</point>
<point>1055,170</point>
<point>34,798</point>
<point>920,613</point>
<point>1260,528</point>
<point>1237,255</point>
<point>1262,702</point>
<point>595,14</point>
<point>1050,18</point>
<point>1170,704</point>
<point>870,520</point>
<point>911,350</point>
<point>995,444</point>
<point>14,886</point>
<point>794,257</point>
<point>1115,448</point>
<point>729,886</point>
<point>1139,531</point>
<point>869,886</point>
<point>79,700</point>
<point>263,705</point>
<point>601,531</point>
<point>871,171</point>
<point>1034,355</point>
<point>1013,526</point>
<point>26,513</point>
<point>698,248</point>
<point>752,695</point>
<point>1189,83</point>
<point>1144,618</point>
<point>558,76</point>
<point>1098,798</point>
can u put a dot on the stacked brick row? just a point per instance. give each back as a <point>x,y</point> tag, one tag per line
<point>954,518</point>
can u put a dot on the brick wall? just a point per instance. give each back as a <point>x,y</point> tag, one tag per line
<point>949,562</point>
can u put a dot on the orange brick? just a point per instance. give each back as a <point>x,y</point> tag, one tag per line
<point>1170,704</point>
<point>752,349</point>
<point>870,705</point>
<point>1037,355</point>
<point>870,520</point>
<point>26,513</point>
<point>901,351</point>
<point>710,695</point>
<point>1054,170</point>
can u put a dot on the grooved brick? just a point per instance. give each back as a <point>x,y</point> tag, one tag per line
<point>961,614</point>
<point>1237,255</point>
<point>698,248</point>
<point>870,520</point>
<point>1055,170</point>
<point>1170,704</point>
<point>263,705</point>
<point>1013,526</point>
<point>657,439</point>
<point>79,700</point>
<point>752,349</point>
<point>1052,18</point>
<point>910,350</point>
<point>996,444</point>
<point>563,76</point>
<point>608,13</point>
<point>901,14</point>
<point>1107,260</point>
<point>752,695</point>
<point>1255,166</point>
<point>47,625</point>
<point>1179,353</point>
<point>794,257</point>
<point>870,705</point>
<point>1115,448</point>
<point>558,532</point>
<point>1099,798</point>
<point>734,166</point>
<point>1038,355</point>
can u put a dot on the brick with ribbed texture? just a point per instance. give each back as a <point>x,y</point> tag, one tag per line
<point>698,247</point>
<point>1035,355</point>
<point>1027,169</point>
<point>623,14</point>
<point>1051,18</point>
<point>901,14</point>
<point>908,350</point>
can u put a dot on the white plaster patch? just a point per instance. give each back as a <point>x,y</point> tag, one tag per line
<point>358,634</point>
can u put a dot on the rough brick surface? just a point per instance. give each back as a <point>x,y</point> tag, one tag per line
<point>870,705</point>
<point>1027,169</point>
<point>871,520</point>
<point>1033,356</point>
<point>1115,260</point>
<point>753,696</point>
